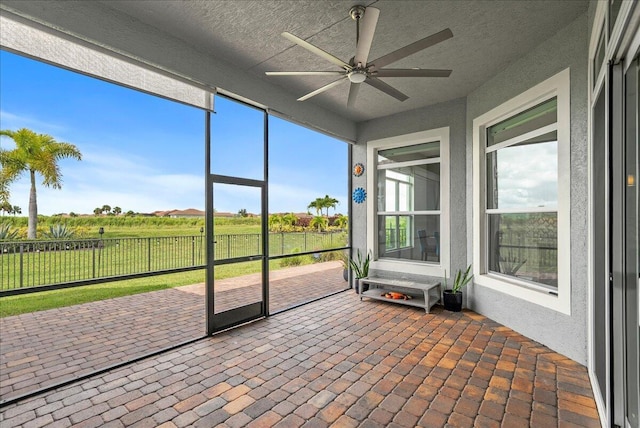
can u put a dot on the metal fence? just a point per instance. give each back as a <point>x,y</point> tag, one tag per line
<point>28,264</point>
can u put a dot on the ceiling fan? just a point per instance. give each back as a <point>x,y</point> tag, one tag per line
<point>358,70</point>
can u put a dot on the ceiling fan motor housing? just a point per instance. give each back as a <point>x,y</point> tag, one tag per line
<point>357,76</point>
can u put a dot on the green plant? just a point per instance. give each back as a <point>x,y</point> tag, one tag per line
<point>293,260</point>
<point>510,265</point>
<point>60,231</point>
<point>360,265</point>
<point>6,231</point>
<point>460,280</point>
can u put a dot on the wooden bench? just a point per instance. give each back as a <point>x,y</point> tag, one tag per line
<point>425,293</point>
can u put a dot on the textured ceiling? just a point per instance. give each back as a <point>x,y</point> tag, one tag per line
<point>488,36</point>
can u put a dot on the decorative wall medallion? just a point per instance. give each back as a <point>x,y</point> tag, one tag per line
<point>358,169</point>
<point>359,195</point>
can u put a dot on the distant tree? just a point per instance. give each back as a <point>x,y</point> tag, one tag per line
<point>34,153</point>
<point>16,210</point>
<point>242,212</point>
<point>97,211</point>
<point>289,219</point>
<point>329,202</point>
<point>319,222</point>
<point>341,221</point>
<point>6,207</point>
<point>72,214</point>
<point>318,205</point>
<point>275,222</point>
<point>106,209</point>
<point>129,213</point>
<point>117,210</point>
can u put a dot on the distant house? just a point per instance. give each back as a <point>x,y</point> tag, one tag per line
<point>188,213</point>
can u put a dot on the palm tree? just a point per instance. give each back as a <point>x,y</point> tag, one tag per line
<point>319,222</point>
<point>341,221</point>
<point>6,207</point>
<point>275,222</point>
<point>318,205</point>
<point>289,219</point>
<point>35,153</point>
<point>329,202</point>
<point>16,210</point>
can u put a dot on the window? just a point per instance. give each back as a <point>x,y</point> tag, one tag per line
<point>521,195</point>
<point>410,202</point>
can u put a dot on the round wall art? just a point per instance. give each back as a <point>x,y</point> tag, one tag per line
<point>358,169</point>
<point>359,195</point>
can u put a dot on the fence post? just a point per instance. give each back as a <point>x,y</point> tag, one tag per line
<point>21,265</point>
<point>149,254</point>
<point>93,260</point>
<point>193,251</point>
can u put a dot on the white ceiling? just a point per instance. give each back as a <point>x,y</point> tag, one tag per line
<point>488,36</point>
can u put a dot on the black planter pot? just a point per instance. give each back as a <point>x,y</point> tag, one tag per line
<point>357,284</point>
<point>452,301</point>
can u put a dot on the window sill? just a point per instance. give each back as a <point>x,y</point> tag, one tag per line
<point>526,291</point>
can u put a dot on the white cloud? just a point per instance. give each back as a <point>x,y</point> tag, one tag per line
<point>108,177</point>
<point>15,121</point>
<point>528,176</point>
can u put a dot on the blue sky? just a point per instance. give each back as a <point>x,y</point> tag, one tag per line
<point>144,153</point>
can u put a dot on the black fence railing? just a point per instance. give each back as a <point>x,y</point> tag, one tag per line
<point>29,264</point>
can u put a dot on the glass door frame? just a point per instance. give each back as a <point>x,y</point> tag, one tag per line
<point>253,311</point>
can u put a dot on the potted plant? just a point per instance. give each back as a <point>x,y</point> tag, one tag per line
<point>360,268</point>
<point>452,298</point>
<point>344,259</point>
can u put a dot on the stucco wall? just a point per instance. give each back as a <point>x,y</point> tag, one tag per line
<point>565,334</point>
<point>567,48</point>
<point>450,114</point>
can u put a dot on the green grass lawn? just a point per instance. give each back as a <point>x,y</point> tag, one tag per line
<point>41,301</point>
<point>121,257</point>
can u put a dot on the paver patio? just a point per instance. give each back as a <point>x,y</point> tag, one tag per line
<point>337,361</point>
<point>46,348</point>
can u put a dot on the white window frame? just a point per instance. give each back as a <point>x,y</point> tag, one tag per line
<point>416,267</point>
<point>556,86</point>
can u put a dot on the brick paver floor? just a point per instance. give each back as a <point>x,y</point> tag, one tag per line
<point>46,348</point>
<point>337,361</point>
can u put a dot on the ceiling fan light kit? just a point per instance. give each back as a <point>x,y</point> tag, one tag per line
<point>358,70</point>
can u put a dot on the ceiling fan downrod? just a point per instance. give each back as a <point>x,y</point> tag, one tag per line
<point>356,13</point>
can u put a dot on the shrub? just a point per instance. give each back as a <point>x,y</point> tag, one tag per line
<point>60,231</point>
<point>293,260</point>
<point>6,231</point>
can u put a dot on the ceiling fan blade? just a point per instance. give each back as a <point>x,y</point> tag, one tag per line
<point>387,89</point>
<point>324,88</point>
<point>412,48</point>
<point>353,94</point>
<point>367,29</point>
<point>411,72</point>
<point>316,50</point>
<point>304,73</point>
